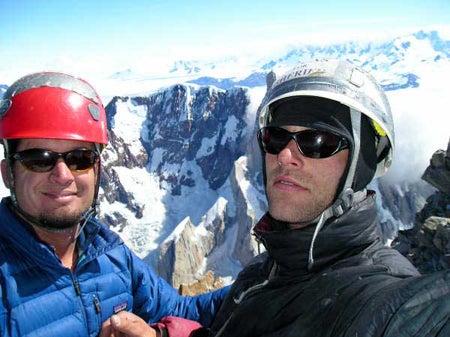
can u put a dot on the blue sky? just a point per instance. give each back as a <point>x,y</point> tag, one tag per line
<point>98,33</point>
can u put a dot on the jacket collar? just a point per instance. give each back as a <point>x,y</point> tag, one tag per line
<point>339,238</point>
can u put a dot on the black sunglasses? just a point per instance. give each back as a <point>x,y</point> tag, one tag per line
<point>311,143</point>
<point>41,160</point>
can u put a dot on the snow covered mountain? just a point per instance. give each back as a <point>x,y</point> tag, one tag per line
<point>182,182</point>
<point>183,171</point>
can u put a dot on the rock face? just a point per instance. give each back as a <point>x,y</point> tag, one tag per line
<point>185,129</point>
<point>182,255</point>
<point>438,173</point>
<point>206,284</point>
<point>199,126</point>
<point>427,244</point>
<point>191,250</point>
<point>119,153</point>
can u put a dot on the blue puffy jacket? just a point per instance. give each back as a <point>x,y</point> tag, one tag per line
<point>41,297</point>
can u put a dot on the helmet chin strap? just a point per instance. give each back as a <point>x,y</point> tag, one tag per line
<point>92,210</point>
<point>347,196</point>
<point>86,217</point>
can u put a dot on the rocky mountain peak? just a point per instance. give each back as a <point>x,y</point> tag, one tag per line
<point>427,244</point>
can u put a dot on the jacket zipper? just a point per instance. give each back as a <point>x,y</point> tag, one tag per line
<point>249,290</point>
<point>76,287</point>
<point>245,293</point>
<point>95,300</point>
<point>98,307</point>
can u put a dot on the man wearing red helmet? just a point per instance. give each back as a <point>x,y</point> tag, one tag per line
<point>63,273</point>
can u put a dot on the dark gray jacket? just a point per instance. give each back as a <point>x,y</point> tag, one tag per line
<point>357,287</point>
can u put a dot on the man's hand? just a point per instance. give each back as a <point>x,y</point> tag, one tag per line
<point>127,324</point>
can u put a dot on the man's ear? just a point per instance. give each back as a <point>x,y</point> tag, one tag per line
<point>6,173</point>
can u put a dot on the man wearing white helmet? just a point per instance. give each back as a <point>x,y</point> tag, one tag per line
<point>62,272</point>
<point>325,132</point>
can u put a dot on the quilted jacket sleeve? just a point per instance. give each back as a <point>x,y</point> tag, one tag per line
<point>416,306</point>
<point>154,298</point>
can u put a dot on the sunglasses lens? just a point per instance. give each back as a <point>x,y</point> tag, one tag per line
<point>311,143</point>
<point>273,140</point>
<point>318,144</point>
<point>41,160</point>
<point>80,160</point>
<point>37,160</point>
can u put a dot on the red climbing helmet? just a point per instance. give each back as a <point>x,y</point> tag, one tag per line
<point>52,105</point>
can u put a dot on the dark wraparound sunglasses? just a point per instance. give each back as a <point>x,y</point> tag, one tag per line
<point>41,160</point>
<point>311,143</point>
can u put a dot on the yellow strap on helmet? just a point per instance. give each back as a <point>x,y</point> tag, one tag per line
<point>378,129</point>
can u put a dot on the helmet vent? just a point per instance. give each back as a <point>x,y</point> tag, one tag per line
<point>94,111</point>
<point>357,77</point>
